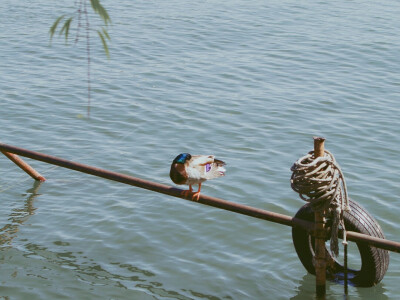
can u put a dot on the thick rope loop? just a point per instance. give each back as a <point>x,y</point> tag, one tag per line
<point>320,182</point>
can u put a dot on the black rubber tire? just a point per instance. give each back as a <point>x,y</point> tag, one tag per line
<point>374,261</point>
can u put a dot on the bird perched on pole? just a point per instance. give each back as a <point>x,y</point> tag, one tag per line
<point>195,169</point>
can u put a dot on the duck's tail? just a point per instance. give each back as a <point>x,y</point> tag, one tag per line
<point>215,169</point>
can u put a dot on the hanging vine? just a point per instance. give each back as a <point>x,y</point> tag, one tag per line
<point>83,23</point>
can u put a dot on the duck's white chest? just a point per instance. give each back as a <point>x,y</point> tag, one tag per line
<point>194,176</point>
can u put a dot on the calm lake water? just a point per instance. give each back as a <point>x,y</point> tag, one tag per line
<point>248,81</point>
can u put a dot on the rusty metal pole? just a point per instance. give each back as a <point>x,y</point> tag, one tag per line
<point>320,260</point>
<point>204,199</point>
<point>24,166</point>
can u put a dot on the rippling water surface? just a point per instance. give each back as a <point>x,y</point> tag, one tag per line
<point>248,81</point>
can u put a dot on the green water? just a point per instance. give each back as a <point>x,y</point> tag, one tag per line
<point>250,82</point>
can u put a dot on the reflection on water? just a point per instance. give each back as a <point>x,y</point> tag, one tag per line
<point>86,270</point>
<point>93,274</point>
<point>37,261</point>
<point>19,215</point>
<point>306,290</point>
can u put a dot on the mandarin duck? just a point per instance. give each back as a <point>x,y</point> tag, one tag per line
<point>195,169</point>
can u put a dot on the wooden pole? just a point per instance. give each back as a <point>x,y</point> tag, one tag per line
<point>320,260</point>
<point>24,166</point>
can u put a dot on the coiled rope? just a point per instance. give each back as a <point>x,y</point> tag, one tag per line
<point>320,182</point>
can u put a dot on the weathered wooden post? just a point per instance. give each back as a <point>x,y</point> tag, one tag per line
<point>24,166</point>
<point>320,233</point>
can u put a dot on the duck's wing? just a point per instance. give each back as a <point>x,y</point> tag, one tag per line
<point>201,160</point>
<point>206,166</point>
<point>215,169</point>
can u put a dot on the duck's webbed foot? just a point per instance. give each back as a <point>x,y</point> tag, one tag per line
<point>196,196</point>
<point>188,192</point>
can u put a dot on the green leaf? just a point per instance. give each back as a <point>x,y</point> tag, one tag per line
<point>95,4</point>
<point>106,34</point>
<point>54,26</point>
<point>66,28</point>
<point>103,40</point>
<point>101,11</point>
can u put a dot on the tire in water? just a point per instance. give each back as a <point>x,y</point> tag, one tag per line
<point>374,261</point>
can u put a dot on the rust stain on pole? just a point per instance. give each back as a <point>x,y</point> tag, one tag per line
<point>319,146</point>
<point>24,166</point>
<point>320,260</point>
<point>374,241</point>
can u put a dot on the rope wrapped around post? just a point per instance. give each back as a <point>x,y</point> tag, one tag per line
<point>320,182</point>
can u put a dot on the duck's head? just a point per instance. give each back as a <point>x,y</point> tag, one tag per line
<point>182,158</point>
<point>178,170</point>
